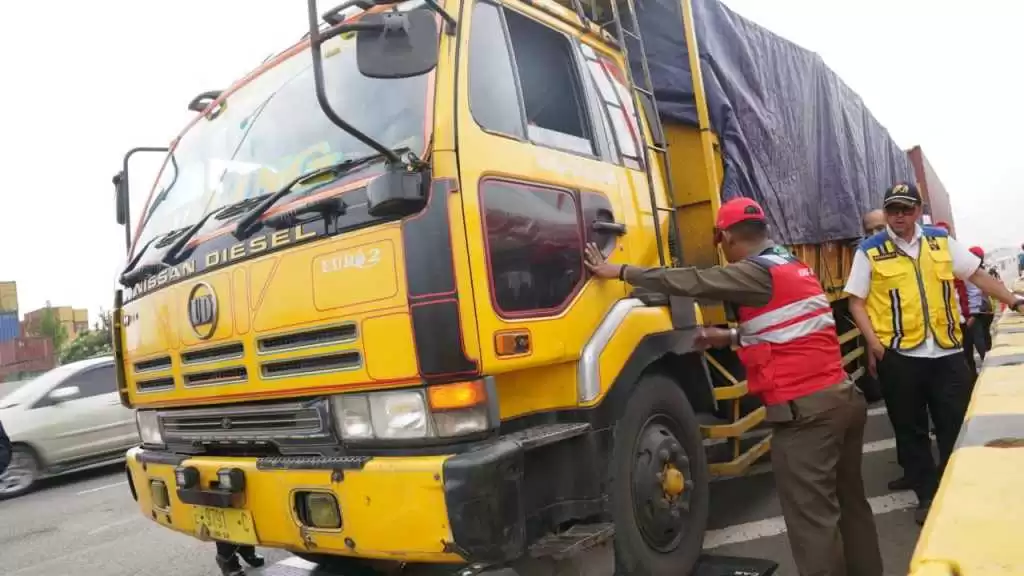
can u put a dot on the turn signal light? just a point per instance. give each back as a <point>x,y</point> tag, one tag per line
<point>457,396</point>
<point>514,343</point>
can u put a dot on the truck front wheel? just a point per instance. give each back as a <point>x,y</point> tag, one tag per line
<point>659,481</point>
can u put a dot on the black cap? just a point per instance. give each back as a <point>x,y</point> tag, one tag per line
<point>902,193</point>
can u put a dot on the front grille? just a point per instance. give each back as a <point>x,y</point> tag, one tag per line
<point>312,365</point>
<point>155,384</point>
<point>153,364</point>
<point>216,377</point>
<point>251,423</point>
<point>316,337</point>
<point>215,354</point>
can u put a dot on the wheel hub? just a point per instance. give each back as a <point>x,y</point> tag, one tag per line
<point>661,490</point>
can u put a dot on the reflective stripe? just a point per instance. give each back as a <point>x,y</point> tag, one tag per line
<point>793,331</point>
<point>897,318</point>
<point>787,312</point>
<point>947,294</point>
<point>776,259</point>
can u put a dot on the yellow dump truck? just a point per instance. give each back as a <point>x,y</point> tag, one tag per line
<point>355,321</point>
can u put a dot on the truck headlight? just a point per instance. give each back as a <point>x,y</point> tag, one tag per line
<point>444,410</point>
<point>149,427</point>
<point>397,415</point>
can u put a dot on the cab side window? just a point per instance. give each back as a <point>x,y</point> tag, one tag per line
<point>536,65</point>
<point>534,247</point>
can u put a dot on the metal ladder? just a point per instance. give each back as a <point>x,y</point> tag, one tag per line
<point>624,36</point>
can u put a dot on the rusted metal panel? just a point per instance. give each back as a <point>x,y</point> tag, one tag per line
<point>9,297</point>
<point>26,355</point>
<point>936,199</point>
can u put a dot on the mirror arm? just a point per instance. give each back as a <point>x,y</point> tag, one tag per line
<point>351,27</point>
<point>449,22</point>
<point>334,16</point>
<point>123,185</point>
<point>315,43</point>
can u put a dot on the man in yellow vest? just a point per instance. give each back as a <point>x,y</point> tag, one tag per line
<point>903,299</point>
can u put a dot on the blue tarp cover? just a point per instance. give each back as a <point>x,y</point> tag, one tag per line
<point>796,138</point>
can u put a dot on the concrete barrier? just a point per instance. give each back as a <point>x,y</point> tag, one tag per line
<point>975,522</point>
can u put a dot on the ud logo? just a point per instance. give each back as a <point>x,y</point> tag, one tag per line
<point>202,310</point>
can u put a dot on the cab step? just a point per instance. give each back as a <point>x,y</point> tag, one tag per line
<point>573,541</point>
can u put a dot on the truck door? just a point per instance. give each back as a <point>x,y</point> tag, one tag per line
<point>538,166</point>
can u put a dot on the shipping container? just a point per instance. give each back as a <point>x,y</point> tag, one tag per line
<point>10,327</point>
<point>9,297</point>
<point>936,199</point>
<point>26,356</point>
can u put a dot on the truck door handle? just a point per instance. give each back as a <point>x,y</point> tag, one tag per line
<point>604,227</point>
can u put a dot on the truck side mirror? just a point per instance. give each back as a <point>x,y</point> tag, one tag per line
<point>121,198</point>
<point>396,44</point>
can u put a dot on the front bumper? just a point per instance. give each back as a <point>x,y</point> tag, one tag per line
<point>469,507</point>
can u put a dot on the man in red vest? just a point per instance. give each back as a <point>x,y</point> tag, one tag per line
<point>787,342</point>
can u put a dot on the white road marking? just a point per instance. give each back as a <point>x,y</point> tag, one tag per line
<point>296,562</point>
<point>121,522</point>
<point>877,411</point>
<point>91,490</point>
<point>740,533</point>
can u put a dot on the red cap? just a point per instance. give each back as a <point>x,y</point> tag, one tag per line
<point>738,210</point>
<point>977,251</point>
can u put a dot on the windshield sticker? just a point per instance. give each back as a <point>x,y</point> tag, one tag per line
<point>242,180</point>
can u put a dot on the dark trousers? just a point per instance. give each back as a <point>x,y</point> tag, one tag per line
<point>228,549</point>
<point>816,461</point>
<point>968,336</point>
<point>911,385</point>
<point>981,334</point>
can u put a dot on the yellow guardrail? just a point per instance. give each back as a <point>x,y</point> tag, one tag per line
<point>974,527</point>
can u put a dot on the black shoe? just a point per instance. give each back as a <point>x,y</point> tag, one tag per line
<point>921,514</point>
<point>251,557</point>
<point>901,483</point>
<point>230,566</point>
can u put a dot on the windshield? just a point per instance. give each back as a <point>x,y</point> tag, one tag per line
<point>272,130</point>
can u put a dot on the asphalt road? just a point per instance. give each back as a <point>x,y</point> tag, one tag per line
<point>87,524</point>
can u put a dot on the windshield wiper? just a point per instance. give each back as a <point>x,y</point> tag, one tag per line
<point>247,222</point>
<point>175,241</point>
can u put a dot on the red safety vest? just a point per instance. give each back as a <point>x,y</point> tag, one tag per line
<point>789,347</point>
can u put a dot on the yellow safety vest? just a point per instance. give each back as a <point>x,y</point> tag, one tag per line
<point>911,296</point>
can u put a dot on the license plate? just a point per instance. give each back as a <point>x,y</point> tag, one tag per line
<point>225,524</point>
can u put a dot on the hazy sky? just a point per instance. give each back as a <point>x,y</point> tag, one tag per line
<point>85,81</point>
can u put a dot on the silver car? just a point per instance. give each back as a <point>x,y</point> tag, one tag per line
<point>68,419</point>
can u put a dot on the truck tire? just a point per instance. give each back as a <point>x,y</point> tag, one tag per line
<point>659,482</point>
<point>349,566</point>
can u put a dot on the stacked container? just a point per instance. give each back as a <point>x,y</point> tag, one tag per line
<point>10,328</point>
